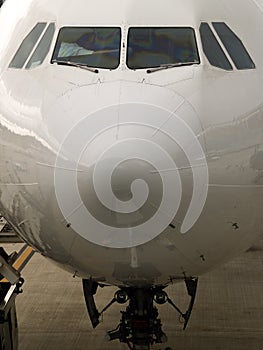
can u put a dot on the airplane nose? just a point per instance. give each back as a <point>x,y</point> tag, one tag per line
<point>128,158</point>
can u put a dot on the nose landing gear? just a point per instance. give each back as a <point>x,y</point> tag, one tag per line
<point>140,326</point>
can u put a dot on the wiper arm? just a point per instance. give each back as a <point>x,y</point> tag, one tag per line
<point>74,64</point>
<point>170,65</point>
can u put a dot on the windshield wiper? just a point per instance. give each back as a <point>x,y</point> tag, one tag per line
<point>170,65</point>
<point>78,65</point>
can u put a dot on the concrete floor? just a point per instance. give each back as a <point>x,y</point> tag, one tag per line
<point>228,313</point>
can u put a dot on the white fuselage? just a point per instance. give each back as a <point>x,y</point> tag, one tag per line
<point>59,123</point>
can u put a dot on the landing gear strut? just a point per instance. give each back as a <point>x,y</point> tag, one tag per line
<point>140,326</point>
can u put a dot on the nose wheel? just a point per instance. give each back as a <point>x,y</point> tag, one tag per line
<point>140,326</point>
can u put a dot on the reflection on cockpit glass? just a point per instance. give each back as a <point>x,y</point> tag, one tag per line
<point>155,47</point>
<point>97,47</point>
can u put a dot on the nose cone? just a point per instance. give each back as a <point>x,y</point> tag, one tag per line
<point>127,158</point>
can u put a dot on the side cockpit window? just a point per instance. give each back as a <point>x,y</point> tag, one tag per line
<point>212,48</point>
<point>27,46</point>
<point>42,48</point>
<point>234,46</point>
<point>35,47</point>
<point>223,48</point>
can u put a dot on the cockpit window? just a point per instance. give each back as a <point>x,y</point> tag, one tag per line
<point>234,46</point>
<point>97,47</point>
<point>43,48</point>
<point>212,49</point>
<point>158,46</point>
<point>27,46</point>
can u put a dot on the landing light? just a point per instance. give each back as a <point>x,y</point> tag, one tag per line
<point>160,297</point>
<point>121,296</point>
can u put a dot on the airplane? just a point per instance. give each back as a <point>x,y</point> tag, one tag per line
<point>131,139</point>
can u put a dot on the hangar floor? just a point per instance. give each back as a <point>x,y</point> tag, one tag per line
<point>228,314</point>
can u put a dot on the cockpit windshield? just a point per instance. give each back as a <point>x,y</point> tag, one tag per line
<point>158,46</point>
<point>97,47</point>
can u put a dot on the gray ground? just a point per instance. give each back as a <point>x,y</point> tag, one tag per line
<point>228,313</point>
